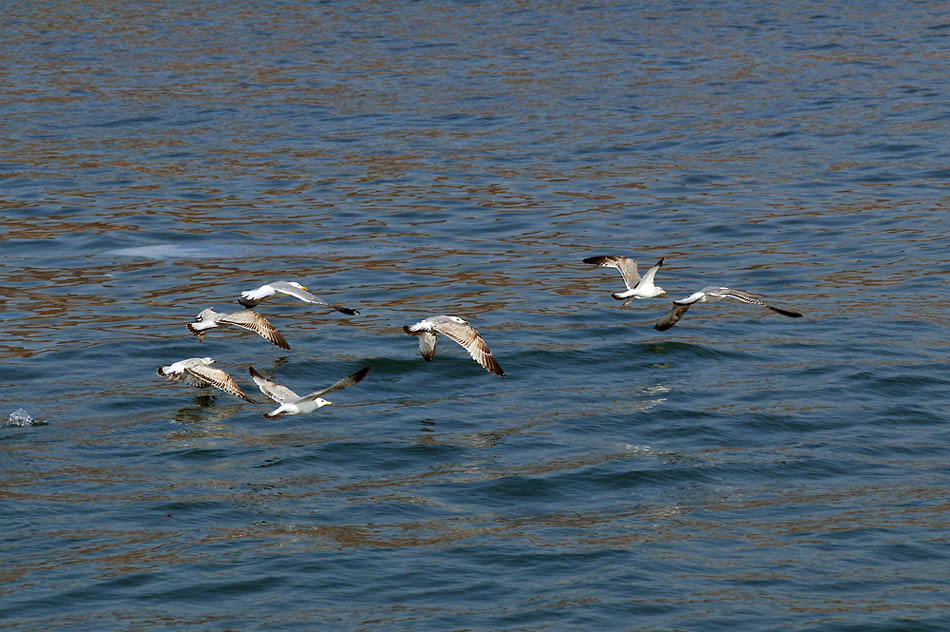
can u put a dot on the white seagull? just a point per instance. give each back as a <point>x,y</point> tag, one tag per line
<point>458,330</point>
<point>637,287</point>
<point>250,298</point>
<point>712,294</point>
<point>199,373</point>
<point>293,404</point>
<point>246,318</point>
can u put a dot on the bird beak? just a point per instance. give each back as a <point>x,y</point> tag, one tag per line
<point>304,286</point>
<point>329,403</point>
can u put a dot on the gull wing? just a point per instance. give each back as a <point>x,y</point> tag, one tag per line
<point>278,393</point>
<point>217,378</point>
<point>626,265</point>
<point>349,380</point>
<point>252,321</point>
<point>672,318</point>
<point>745,297</point>
<point>651,273</point>
<point>427,343</point>
<point>291,290</point>
<point>689,300</point>
<point>427,339</point>
<point>471,341</point>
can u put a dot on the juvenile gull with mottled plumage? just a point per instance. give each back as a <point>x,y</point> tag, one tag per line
<point>246,319</point>
<point>199,373</point>
<point>458,330</point>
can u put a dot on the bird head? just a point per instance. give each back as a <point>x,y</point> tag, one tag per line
<point>298,286</point>
<point>460,321</point>
<point>320,402</point>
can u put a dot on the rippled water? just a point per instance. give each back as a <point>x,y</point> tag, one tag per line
<point>741,470</point>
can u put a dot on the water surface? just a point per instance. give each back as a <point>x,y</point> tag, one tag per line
<point>741,470</point>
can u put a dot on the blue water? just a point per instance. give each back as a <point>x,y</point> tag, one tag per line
<point>741,470</point>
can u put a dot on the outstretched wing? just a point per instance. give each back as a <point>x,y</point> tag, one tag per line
<point>471,341</point>
<point>252,321</point>
<point>292,290</point>
<point>217,378</point>
<point>745,297</point>
<point>626,265</point>
<point>278,393</point>
<point>689,300</point>
<point>651,273</point>
<point>350,380</point>
<point>672,318</point>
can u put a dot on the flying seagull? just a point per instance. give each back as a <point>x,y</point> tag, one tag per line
<point>199,373</point>
<point>250,298</point>
<point>637,287</point>
<point>460,331</point>
<point>246,318</point>
<point>712,294</point>
<point>293,404</point>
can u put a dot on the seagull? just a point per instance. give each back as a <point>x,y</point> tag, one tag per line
<point>250,298</point>
<point>712,294</point>
<point>458,330</point>
<point>199,373</point>
<point>246,318</point>
<point>293,404</point>
<point>636,287</point>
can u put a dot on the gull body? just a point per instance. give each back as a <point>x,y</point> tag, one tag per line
<point>245,318</point>
<point>250,298</point>
<point>293,404</point>
<point>637,287</point>
<point>199,373</point>
<point>458,330</point>
<point>712,294</point>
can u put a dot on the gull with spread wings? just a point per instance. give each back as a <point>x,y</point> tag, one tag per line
<point>199,373</point>
<point>251,298</point>
<point>712,294</point>
<point>637,286</point>
<point>293,404</point>
<point>460,331</point>
<point>245,318</point>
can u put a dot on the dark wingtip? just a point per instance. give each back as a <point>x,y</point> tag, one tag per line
<point>660,262</point>
<point>359,375</point>
<point>595,260</point>
<point>346,310</point>
<point>247,303</point>
<point>254,372</point>
<point>408,330</point>
<point>159,371</point>
<point>786,312</point>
